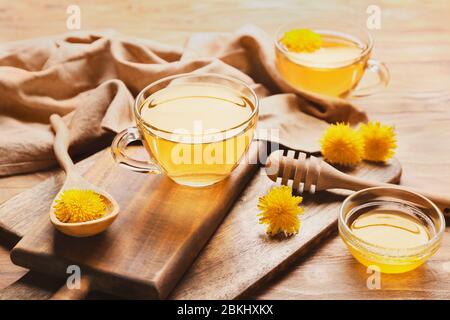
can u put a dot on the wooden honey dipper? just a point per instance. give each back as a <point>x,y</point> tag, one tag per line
<point>313,174</point>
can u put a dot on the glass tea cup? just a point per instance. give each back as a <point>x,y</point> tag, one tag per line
<point>337,67</point>
<point>195,128</point>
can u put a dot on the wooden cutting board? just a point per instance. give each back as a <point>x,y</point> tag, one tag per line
<point>161,228</point>
<point>239,249</point>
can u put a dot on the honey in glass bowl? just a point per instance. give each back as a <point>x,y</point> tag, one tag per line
<point>391,229</point>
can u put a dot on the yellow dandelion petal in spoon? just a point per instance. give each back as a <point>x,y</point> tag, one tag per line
<point>342,145</point>
<point>280,211</point>
<point>379,141</point>
<point>76,205</point>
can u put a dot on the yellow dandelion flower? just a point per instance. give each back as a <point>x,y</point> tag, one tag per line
<point>379,141</point>
<point>301,40</point>
<point>280,211</point>
<point>79,206</point>
<point>342,145</point>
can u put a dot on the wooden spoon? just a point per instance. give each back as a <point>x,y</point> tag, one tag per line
<point>75,181</point>
<point>312,174</point>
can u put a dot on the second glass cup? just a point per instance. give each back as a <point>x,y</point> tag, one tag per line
<point>337,67</point>
<point>195,127</point>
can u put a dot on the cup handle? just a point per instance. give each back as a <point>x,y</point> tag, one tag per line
<point>382,73</point>
<point>120,143</point>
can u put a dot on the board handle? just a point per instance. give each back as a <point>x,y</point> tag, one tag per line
<point>64,293</point>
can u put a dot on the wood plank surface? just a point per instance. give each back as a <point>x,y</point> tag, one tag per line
<point>413,41</point>
<point>164,227</point>
<point>160,230</point>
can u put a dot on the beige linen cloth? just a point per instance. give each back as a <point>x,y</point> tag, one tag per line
<point>90,78</point>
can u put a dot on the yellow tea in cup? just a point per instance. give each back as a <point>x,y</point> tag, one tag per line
<point>205,112</point>
<point>195,128</point>
<point>334,69</point>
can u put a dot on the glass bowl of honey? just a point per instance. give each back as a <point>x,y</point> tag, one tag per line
<point>390,229</point>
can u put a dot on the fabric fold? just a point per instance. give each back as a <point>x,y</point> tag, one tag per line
<point>91,79</point>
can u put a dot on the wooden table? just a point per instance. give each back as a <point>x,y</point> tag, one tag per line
<point>414,40</point>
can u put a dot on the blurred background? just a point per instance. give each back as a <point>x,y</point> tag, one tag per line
<point>171,20</point>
